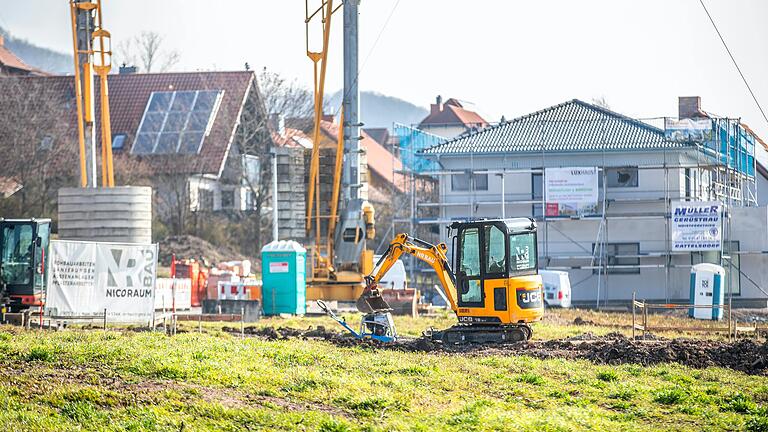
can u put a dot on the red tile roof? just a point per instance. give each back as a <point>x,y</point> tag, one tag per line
<point>128,97</point>
<point>453,112</point>
<point>757,138</point>
<point>292,138</point>
<point>10,60</point>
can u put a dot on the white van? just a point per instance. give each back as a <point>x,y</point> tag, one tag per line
<point>395,277</point>
<point>557,288</point>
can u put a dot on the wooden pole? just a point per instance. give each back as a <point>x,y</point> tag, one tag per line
<point>633,314</point>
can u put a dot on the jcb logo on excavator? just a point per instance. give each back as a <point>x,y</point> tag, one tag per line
<point>529,299</point>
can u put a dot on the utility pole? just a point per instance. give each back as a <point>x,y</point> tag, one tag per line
<point>351,103</point>
<point>275,213</point>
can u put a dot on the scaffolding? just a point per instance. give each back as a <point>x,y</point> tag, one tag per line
<point>717,167</point>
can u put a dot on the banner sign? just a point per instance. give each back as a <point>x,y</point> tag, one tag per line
<point>571,191</point>
<point>170,293</point>
<point>685,130</point>
<point>696,225</point>
<point>85,278</point>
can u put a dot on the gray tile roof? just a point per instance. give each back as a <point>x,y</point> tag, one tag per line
<point>567,127</point>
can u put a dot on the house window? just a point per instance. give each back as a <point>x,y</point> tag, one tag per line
<point>481,182</point>
<point>204,199</point>
<point>537,193</point>
<point>619,254</point>
<point>46,143</point>
<point>251,170</point>
<point>461,182</point>
<point>621,177</point>
<point>227,199</point>
<point>118,142</point>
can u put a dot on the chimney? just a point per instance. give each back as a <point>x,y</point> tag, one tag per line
<point>328,117</point>
<point>277,123</point>
<point>689,107</point>
<point>437,106</point>
<point>127,70</point>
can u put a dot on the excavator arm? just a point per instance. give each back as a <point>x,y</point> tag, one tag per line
<point>434,255</point>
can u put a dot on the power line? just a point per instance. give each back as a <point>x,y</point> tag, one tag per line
<point>734,62</point>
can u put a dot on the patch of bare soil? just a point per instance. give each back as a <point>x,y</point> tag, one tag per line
<point>744,355</point>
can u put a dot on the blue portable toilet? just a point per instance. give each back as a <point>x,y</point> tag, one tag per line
<point>284,277</point>
<point>707,289</point>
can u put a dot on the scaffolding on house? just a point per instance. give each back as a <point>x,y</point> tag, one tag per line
<point>723,170</point>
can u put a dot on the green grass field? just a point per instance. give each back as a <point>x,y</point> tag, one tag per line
<point>142,381</point>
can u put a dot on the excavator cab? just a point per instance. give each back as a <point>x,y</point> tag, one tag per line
<point>497,280</point>
<point>23,267</point>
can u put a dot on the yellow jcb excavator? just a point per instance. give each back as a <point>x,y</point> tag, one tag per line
<point>496,292</point>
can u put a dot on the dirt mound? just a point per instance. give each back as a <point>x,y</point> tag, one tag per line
<point>581,321</point>
<point>187,246</point>
<point>614,348</point>
<point>272,333</point>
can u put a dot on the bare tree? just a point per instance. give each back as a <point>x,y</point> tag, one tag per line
<point>256,136</point>
<point>146,51</point>
<point>38,151</point>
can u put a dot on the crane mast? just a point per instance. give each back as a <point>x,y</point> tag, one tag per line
<point>340,258</point>
<point>92,45</point>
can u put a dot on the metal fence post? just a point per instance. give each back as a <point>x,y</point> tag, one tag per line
<point>633,315</point>
<point>645,319</point>
<point>105,318</point>
<point>242,322</point>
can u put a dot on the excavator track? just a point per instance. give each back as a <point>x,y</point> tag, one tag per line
<point>475,334</point>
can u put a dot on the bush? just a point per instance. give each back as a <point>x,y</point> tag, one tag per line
<point>78,411</point>
<point>670,396</point>
<point>334,426</point>
<point>608,376</point>
<point>531,378</point>
<point>739,403</point>
<point>757,424</point>
<point>41,353</point>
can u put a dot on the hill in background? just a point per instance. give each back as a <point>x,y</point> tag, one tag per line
<point>378,110</point>
<point>41,58</point>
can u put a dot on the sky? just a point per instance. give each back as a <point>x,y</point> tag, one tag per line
<point>502,57</point>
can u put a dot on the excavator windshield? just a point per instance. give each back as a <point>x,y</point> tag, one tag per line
<point>17,252</point>
<point>522,253</point>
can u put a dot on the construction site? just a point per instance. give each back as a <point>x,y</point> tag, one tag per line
<point>186,247</point>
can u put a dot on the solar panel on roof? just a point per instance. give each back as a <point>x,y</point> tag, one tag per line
<point>176,122</point>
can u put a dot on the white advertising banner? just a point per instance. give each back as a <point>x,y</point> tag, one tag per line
<point>85,278</point>
<point>684,130</point>
<point>696,225</point>
<point>571,191</point>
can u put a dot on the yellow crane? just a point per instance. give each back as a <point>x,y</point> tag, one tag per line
<point>327,279</point>
<point>92,45</point>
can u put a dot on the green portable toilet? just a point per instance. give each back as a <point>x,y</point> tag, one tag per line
<point>284,277</point>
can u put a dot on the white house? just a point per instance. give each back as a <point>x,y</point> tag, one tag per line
<point>621,246</point>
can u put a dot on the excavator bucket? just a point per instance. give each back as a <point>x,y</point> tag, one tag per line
<point>402,301</point>
<point>371,301</point>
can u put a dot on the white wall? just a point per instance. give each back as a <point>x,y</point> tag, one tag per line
<point>567,238</point>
